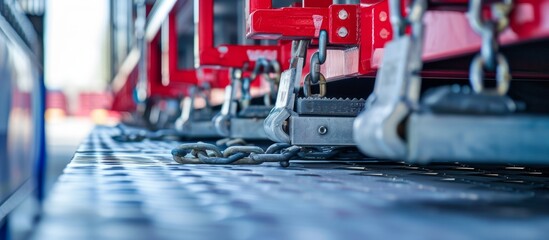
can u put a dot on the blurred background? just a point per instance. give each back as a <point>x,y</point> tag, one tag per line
<point>74,47</point>
<point>77,70</point>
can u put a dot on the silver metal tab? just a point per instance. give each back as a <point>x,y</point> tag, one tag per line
<point>397,85</point>
<point>289,85</point>
<point>519,139</point>
<point>248,128</point>
<point>222,120</point>
<point>321,131</point>
<point>330,106</point>
<point>200,129</point>
<point>274,123</point>
<point>196,123</point>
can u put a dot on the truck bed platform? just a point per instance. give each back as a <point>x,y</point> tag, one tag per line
<point>113,190</point>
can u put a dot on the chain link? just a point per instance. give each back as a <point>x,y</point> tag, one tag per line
<point>204,153</point>
<point>315,76</point>
<point>414,18</point>
<point>264,68</point>
<point>131,135</point>
<point>307,83</point>
<point>318,58</point>
<point>489,57</point>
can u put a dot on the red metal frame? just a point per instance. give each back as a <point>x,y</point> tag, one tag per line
<point>173,83</point>
<point>226,55</point>
<point>179,80</point>
<point>359,52</point>
<point>358,45</point>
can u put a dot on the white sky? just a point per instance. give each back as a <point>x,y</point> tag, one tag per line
<point>76,45</point>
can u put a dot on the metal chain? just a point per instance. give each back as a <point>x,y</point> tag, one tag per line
<point>315,76</point>
<point>204,153</point>
<point>262,67</point>
<point>131,135</point>
<point>229,142</point>
<point>307,83</point>
<point>489,57</point>
<point>413,19</point>
<point>318,58</point>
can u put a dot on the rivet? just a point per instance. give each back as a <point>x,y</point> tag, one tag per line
<point>342,32</point>
<point>383,16</point>
<point>322,130</point>
<point>343,14</point>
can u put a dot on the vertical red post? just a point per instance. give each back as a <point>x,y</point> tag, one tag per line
<point>204,25</point>
<point>172,44</point>
<point>259,4</point>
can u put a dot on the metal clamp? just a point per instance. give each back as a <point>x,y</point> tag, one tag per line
<point>275,123</point>
<point>397,87</point>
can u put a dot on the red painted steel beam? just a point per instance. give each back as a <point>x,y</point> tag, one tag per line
<point>448,33</point>
<point>174,73</point>
<point>354,32</point>
<point>235,56</point>
<point>175,82</point>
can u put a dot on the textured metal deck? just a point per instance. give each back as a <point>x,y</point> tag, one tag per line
<point>116,190</point>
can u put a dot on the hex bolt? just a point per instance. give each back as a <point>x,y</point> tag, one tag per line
<point>342,32</point>
<point>343,14</point>
<point>322,130</point>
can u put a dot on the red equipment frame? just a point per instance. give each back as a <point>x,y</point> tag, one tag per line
<point>358,50</point>
<point>230,55</point>
<point>171,84</point>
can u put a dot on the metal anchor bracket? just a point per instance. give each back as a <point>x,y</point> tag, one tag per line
<point>288,88</point>
<point>396,91</point>
<point>316,120</point>
<point>228,109</point>
<point>195,123</point>
<point>248,123</point>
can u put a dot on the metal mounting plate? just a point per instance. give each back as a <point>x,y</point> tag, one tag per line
<point>248,128</point>
<point>324,131</point>
<point>515,138</point>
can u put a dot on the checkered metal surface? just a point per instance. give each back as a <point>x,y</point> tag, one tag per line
<point>116,190</point>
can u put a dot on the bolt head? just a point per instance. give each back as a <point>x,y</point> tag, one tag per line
<point>322,130</point>
<point>383,16</point>
<point>342,32</point>
<point>343,14</point>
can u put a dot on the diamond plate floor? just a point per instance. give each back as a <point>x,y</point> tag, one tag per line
<point>116,190</point>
